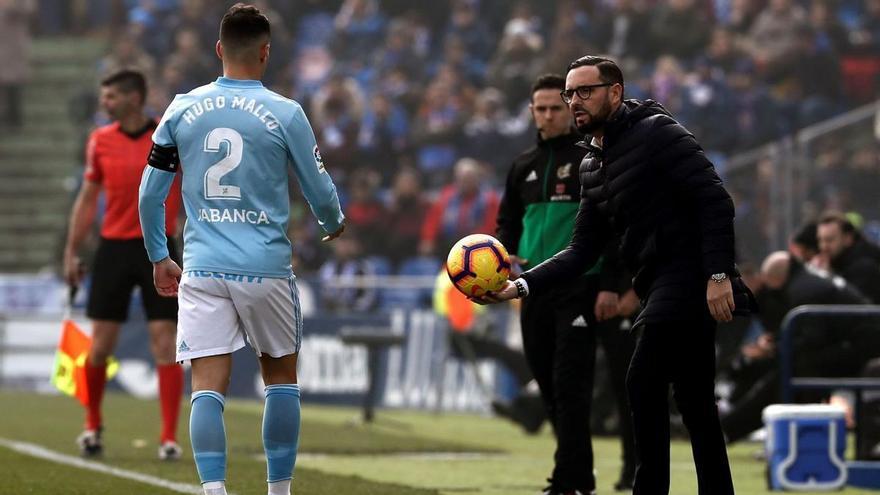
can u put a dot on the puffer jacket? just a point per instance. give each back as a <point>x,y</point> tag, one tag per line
<point>651,185</point>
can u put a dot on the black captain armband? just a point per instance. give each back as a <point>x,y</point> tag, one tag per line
<point>164,158</point>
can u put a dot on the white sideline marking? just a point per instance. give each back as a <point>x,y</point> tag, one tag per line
<point>35,450</point>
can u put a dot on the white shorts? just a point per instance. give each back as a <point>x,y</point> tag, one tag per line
<point>217,311</point>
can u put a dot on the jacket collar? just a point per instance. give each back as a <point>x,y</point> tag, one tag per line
<point>572,137</point>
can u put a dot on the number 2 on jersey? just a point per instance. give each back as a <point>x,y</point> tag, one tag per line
<point>234,145</point>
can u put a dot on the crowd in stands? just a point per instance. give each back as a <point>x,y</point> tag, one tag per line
<point>419,108</point>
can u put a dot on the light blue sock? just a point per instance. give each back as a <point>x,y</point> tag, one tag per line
<point>208,435</point>
<point>281,430</point>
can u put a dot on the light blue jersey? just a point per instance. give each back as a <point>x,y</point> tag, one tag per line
<point>235,139</point>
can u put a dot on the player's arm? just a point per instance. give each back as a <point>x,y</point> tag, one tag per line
<point>155,185</point>
<point>80,224</point>
<point>315,182</point>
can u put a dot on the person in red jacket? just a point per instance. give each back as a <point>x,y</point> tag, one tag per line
<point>467,206</point>
<point>116,155</point>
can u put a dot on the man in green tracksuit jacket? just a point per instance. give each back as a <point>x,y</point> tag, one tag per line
<point>560,329</point>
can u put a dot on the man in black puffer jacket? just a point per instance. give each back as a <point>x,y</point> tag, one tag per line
<point>646,179</point>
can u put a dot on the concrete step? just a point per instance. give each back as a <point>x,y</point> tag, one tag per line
<point>32,187</point>
<point>33,260</point>
<point>30,149</point>
<point>22,224</point>
<point>57,203</point>
<point>68,48</point>
<point>40,169</point>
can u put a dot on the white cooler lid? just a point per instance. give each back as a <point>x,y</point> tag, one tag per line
<point>794,411</point>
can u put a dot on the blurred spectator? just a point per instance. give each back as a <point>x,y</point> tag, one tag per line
<point>844,251</point>
<point>337,109</point>
<point>804,244</point>
<point>364,212</point>
<point>483,134</point>
<point>723,55</point>
<point>383,135</point>
<point>679,28</point>
<point>517,62</point>
<point>741,15</point>
<point>15,43</point>
<point>359,27</point>
<point>466,23</point>
<point>830,34</point>
<point>436,130</point>
<point>405,215</point>
<point>187,56</point>
<point>468,206</point>
<point>127,54</point>
<point>773,36</point>
<point>347,263</point>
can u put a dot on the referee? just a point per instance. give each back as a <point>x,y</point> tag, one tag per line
<point>116,155</point>
<point>561,327</point>
<point>646,179</point>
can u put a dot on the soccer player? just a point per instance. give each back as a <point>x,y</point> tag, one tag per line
<point>114,164</point>
<point>234,138</point>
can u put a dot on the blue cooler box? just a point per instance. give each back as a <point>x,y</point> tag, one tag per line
<point>805,445</point>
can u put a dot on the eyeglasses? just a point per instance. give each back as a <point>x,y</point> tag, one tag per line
<point>583,92</point>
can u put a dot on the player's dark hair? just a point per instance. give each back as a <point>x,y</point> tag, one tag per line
<point>846,226</point>
<point>547,81</point>
<point>609,72</point>
<point>127,81</point>
<point>242,28</point>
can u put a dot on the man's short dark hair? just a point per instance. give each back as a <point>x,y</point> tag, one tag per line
<point>243,27</point>
<point>547,81</point>
<point>127,81</point>
<point>806,236</point>
<point>609,72</point>
<point>846,226</point>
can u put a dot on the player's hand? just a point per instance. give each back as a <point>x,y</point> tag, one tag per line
<point>606,305</point>
<point>334,235</point>
<point>516,264</point>
<point>507,292</point>
<point>719,297</point>
<point>74,269</point>
<point>166,277</point>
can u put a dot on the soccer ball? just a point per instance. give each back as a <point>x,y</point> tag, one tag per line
<point>478,264</point>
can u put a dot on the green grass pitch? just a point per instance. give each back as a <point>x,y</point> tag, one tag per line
<point>402,453</point>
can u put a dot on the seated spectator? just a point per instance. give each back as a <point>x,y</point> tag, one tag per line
<point>343,267</point>
<point>679,28</point>
<point>483,135</point>
<point>405,215</point>
<point>360,26</point>
<point>439,123</point>
<point>467,206</point>
<point>773,36</point>
<point>516,63</point>
<point>364,212</point>
<point>126,54</point>
<point>844,251</point>
<point>823,346</point>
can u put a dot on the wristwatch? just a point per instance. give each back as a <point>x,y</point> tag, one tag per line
<point>522,288</point>
<point>719,277</point>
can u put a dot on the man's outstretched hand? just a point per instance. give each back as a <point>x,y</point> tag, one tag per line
<point>507,292</point>
<point>166,277</point>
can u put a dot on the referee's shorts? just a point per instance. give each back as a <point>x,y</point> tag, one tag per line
<point>119,266</point>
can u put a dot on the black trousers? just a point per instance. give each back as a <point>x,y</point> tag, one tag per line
<point>681,354</point>
<point>560,334</point>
